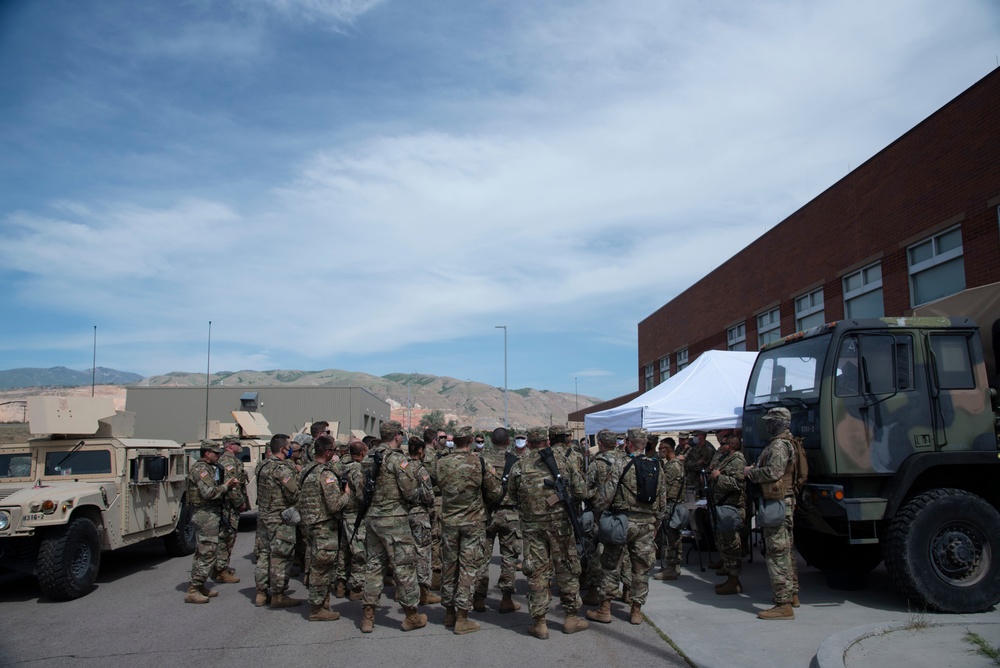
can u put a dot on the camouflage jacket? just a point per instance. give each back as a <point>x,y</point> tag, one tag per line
<point>232,467</point>
<point>602,469</point>
<point>321,496</point>
<point>621,489</point>
<point>673,480</point>
<point>729,488</point>
<point>773,470</point>
<point>498,460</point>
<point>277,487</point>
<point>468,485</point>
<point>397,487</point>
<point>204,485</point>
<point>574,458</point>
<point>425,487</point>
<point>696,459</point>
<point>536,502</point>
<point>349,471</point>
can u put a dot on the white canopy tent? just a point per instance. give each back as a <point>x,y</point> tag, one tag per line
<point>706,395</point>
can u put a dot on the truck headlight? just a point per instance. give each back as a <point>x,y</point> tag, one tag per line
<point>4,520</point>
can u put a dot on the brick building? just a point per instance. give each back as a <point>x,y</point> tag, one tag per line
<point>918,221</point>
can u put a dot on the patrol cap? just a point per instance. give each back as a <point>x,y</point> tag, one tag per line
<point>724,433</point>
<point>559,430</point>
<point>538,434</point>
<point>211,446</point>
<point>303,439</point>
<point>464,432</point>
<point>637,435</point>
<point>606,436</point>
<point>778,413</point>
<point>230,439</point>
<point>683,434</point>
<point>620,436</point>
<point>389,428</point>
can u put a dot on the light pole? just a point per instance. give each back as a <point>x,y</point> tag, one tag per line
<point>504,328</point>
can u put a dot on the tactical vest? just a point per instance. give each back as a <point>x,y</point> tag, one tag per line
<point>270,492</point>
<point>782,487</point>
<point>194,495</point>
<point>312,504</point>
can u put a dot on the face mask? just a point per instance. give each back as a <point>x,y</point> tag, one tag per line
<point>520,443</point>
<point>449,444</point>
<point>694,440</point>
<point>620,442</point>
<point>480,445</point>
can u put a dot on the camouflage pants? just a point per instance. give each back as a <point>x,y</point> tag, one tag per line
<point>420,526</point>
<point>672,549</point>
<point>352,559</point>
<point>640,548</point>
<point>593,575</point>
<point>389,542</point>
<point>275,557</point>
<point>620,575</point>
<point>227,538</point>
<point>435,511</point>
<point>324,546</point>
<point>463,553</point>
<point>779,558</point>
<point>550,548</point>
<point>505,527</point>
<point>206,522</point>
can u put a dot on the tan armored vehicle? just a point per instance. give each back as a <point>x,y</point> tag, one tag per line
<point>85,487</point>
<point>254,434</point>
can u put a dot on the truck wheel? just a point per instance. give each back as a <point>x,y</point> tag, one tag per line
<point>834,554</point>
<point>942,550</point>
<point>68,560</point>
<point>182,540</point>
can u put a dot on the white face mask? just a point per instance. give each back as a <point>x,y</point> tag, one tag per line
<point>520,442</point>
<point>479,445</point>
<point>620,442</point>
<point>449,444</point>
<point>694,440</point>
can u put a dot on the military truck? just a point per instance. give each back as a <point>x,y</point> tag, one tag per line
<point>87,487</point>
<point>900,428</point>
<point>254,434</point>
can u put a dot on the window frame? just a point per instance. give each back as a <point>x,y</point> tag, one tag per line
<point>811,310</point>
<point>936,259</point>
<point>774,315</point>
<point>736,335</point>
<point>682,358</point>
<point>866,287</point>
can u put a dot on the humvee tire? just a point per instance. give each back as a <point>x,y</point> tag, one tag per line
<point>68,560</point>
<point>943,551</point>
<point>182,541</point>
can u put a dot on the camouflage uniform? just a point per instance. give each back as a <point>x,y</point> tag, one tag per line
<point>260,536</point>
<point>773,472</point>
<point>467,485</point>
<point>388,539</point>
<point>696,460</point>
<point>420,523</point>
<point>205,492</point>
<point>673,482</point>
<point>351,569</point>
<point>549,543</point>
<point>729,489</point>
<point>277,489</point>
<point>601,470</point>
<point>233,503</point>
<point>504,526</point>
<point>320,501</point>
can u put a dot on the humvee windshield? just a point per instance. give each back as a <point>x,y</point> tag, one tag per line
<point>789,374</point>
<point>80,462</point>
<point>15,465</point>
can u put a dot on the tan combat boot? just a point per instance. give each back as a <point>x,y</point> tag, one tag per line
<point>635,614</point>
<point>414,620</point>
<point>340,591</point>
<point>602,614</point>
<point>730,586</point>
<point>205,591</point>
<point>782,611</point>
<point>795,600</point>
<point>367,618</point>
<point>626,594</point>
<point>356,595</point>
<point>479,604</point>
<point>463,624</point>
<point>426,597</point>
<point>507,604</point>
<point>318,613</point>
<point>280,600</point>
<point>225,577</point>
<point>449,616</point>
<point>539,629</point>
<point>573,623</point>
<point>261,599</point>
<point>667,575</point>
<point>194,595</point>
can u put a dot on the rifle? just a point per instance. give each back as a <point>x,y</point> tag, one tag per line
<point>508,463</point>
<point>368,493</point>
<point>559,483</point>
<point>710,500</point>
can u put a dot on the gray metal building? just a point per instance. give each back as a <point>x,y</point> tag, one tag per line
<point>178,413</point>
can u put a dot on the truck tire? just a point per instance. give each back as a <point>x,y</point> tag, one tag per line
<point>834,554</point>
<point>68,560</point>
<point>942,551</point>
<point>182,541</point>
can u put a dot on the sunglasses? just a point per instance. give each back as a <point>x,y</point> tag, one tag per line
<point>480,442</point>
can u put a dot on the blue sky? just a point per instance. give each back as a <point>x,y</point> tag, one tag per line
<point>374,185</point>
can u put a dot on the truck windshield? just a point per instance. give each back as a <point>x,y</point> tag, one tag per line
<point>15,465</point>
<point>80,462</point>
<point>789,374</point>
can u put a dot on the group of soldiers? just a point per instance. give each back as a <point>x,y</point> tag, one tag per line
<point>425,516</point>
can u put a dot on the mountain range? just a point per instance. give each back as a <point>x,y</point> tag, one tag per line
<point>60,376</point>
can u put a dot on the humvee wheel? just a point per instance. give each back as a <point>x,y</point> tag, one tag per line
<point>182,540</point>
<point>68,560</point>
<point>943,550</point>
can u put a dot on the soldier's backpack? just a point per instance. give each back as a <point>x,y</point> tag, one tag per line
<point>800,472</point>
<point>647,477</point>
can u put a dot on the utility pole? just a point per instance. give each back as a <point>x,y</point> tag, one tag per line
<point>504,328</point>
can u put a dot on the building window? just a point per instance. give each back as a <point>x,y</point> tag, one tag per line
<point>649,377</point>
<point>736,337</point>
<point>664,368</point>
<point>809,310</point>
<point>768,327</point>
<point>863,293</point>
<point>682,359</point>
<point>936,267</point>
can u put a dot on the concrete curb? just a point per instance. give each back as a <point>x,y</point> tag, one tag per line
<point>832,651</point>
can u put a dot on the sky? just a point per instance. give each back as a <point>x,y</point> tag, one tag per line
<point>376,185</point>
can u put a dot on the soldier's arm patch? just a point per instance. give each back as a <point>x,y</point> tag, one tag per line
<point>286,479</point>
<point>403,464</point>
<point>204,473</point>
<point>229,468</point>
<point>330,478</point>
<point>424,476</point>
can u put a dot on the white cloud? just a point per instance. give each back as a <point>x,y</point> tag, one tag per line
<point>335,13</point>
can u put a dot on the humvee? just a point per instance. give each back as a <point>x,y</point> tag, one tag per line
<point>86,487</point>
<point>899,425</point>
<point>254,434</point>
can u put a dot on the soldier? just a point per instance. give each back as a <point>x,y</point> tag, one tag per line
<point>277,489</point>
<point>729,489</point>
<point>351,571</point>
<point>504,526</point>
<point>434,440</point>
<point>644,504</point>
<point>606,462</point>
<point>673,483</point>
<point>388,539</point>
<point>549,543</point>
<point>205,491</point>
<point>559,437</point>
<point>234,503</point>
<point>775,473</point>
<point>420,521</point>
<point>321,499</point>
<point>697,459</point>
